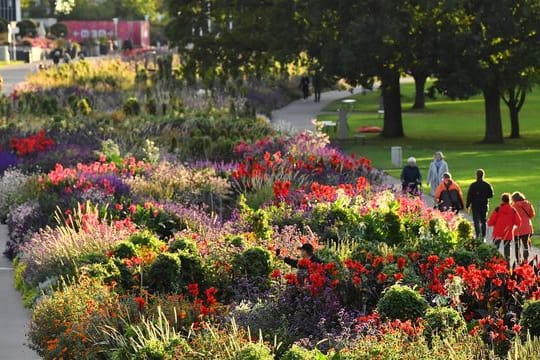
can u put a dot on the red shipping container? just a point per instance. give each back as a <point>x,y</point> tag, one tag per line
<point>136,31</point>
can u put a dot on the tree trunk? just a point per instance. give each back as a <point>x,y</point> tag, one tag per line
<point>393,121</point>
<point>420,96</point>
<point>514,122</point>
<point>492,106</point>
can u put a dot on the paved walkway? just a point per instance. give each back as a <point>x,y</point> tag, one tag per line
<point>14,74</point>
<point>298,115</point>
<point>14,318</point>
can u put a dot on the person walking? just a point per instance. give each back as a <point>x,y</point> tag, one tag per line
<point>478,197</point>
<point>448,195</point>
<point>436,170</point>
<point>504,220</point>
<point>304,86</point>
<point>411,178</point>
<point>317,85</point>
<point>523,233</point>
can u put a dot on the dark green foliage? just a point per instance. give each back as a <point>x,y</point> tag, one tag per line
<point>258,220</point>
<point>401,302</point>
<point>27,28</point>
<point>183,244</point>
<point>530,317</point>
<point>131,107</point>
<point>164,274</point>
<point>59,30</point>
<point>334,220</point>
<point>125,250</point>
<point>443,321</point>
<point>191,269</point>
<point>465,231</point>
<point>254,262</point>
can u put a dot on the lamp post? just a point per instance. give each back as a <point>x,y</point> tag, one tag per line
<point>115,22</point>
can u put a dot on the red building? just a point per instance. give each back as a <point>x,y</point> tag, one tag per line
<point>136,31</point>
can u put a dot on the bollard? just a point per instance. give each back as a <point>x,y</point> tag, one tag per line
<point>396,156</point>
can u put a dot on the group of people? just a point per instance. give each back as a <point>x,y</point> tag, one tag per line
<point>317,86</point>
<point>511,220</point>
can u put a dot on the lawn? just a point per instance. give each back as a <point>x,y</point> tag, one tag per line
<point>456,128</point>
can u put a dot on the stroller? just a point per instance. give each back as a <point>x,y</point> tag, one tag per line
<point>412,189</point>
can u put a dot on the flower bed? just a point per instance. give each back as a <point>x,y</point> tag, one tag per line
<point>156,257</point>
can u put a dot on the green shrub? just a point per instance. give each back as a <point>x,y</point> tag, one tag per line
<point>253,263</point>
<point>465,230</point>
<point>251,351</point>
<point>125,250</point>
<point>299,353</point>
<point>154,349</point>
<point>191,268</point>
<point>131,107</point>
<point>443,321</point>
<point>530,317</point>
<point>59,30</point>
<point>401,302</point>
<point>183,244</point>
<point>164,273</point>
<point>146,239</point>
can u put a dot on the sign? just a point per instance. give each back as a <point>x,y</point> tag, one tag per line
<point>136,31</point>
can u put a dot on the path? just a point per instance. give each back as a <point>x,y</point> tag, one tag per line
<point>13,75</point>
<point>14,318</point>
<point>298,116</point>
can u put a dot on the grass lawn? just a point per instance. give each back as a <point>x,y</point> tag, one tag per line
<point>455,128</point>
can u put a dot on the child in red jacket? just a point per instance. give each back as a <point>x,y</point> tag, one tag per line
<point>505,219</point>
<point>524,232</point>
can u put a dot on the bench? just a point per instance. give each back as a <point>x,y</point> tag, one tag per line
<point>329,124</point>
<point>361,138</point>
<point>380,113</point>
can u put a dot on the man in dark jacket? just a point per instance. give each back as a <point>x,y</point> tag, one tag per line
<point>411,177</point>
<point>306,252</point>
<point>478,197</point>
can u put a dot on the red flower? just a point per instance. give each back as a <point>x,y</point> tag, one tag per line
<point>275,274</point>
<point>291,279</point>
<point>140,302</point>
<point>193,289</point>
<point>398,276</point>
<point>401,262</point>
<point>382,277</point>
<point>516,328</point>
<point>132,209</point>
<point>119,207</point>
<point>433,259</point>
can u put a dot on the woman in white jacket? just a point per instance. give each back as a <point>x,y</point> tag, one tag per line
<point>436,170</point>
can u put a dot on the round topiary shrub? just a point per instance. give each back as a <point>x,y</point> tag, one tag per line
<point>125,250</point>
<point>164,274</point>
<point>530,317</point>
<point>253,351</point>
<point>299,353</point>
<point>132,107</point>
<point>191,269</point>
<point>59,30</point>
<point>27,28</point>
<point>443,320</point>
<point>401,302</point>
<point>183,244</point>
<point>146,239</point>
<point>253,263</point>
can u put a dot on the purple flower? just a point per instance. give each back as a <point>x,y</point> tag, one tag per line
<point>7,160</point>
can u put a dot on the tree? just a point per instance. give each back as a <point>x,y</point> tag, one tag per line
<point>481,52</point>
<point>370,40</point>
